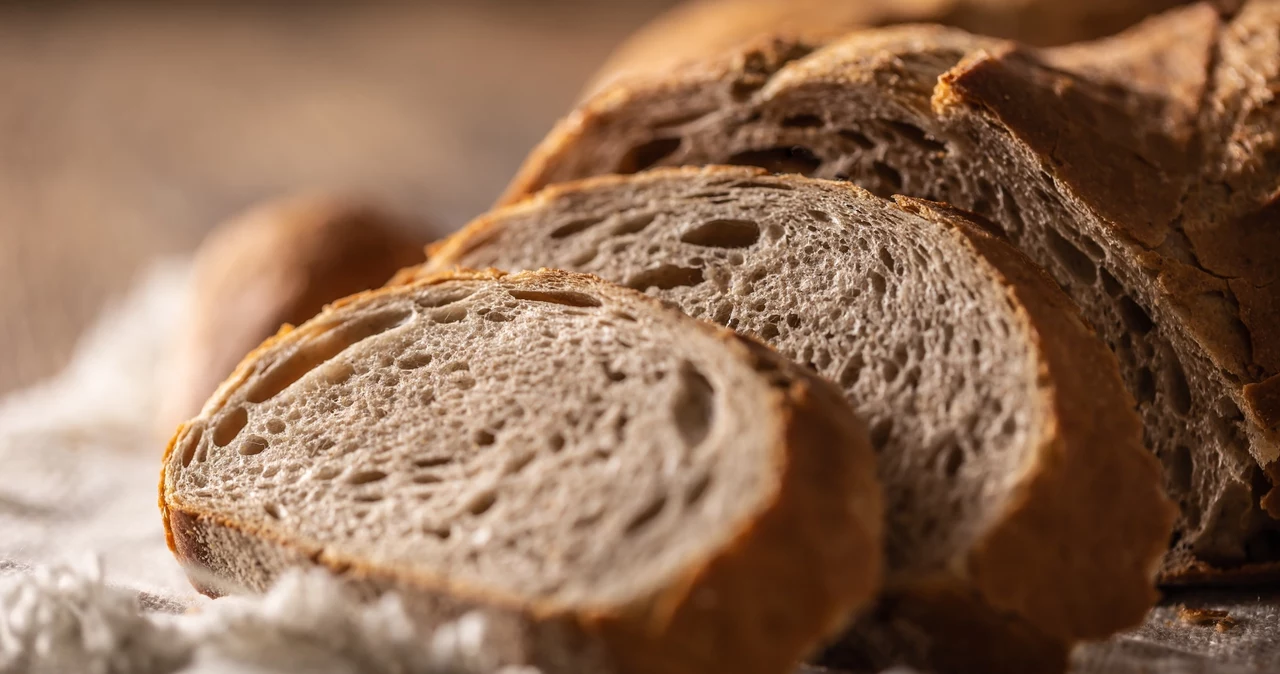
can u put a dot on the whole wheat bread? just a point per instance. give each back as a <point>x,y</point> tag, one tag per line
<point>1141,171</point>
<point>1015,477</point>
<point>624,488</point>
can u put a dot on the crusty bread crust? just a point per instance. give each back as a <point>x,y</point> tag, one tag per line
<point>796,570</point>
<point>1064,537</point>
<point>699,29</point>
<point>1089,511</point>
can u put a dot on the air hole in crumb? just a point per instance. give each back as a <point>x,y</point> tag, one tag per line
<point>820,216</point>
<point>326,472</point>
<point>450,314</point>
<point>890,370</point>
<point>1180,470</point>
<point>1179,390</point>
<point>584,257</point>
<point>556,441</point>
<point>440,531</point>
<point>189,443</point>
<point>796,159</point>
<point>877,283</point>
<point>634,224</point>
<point>367,498</point>
<point>443,298</point>
<point>1135,318</point>
<point>275,425</point>
<point>496,317</point>
<point>481,501</point>
<point>311,353</point>
<point>413,361</point>
<point>366,476</point>
<point>517,462</point>
<point>880,433</point>
<point>1093,249</point>
<point>612,374</point>
<point>917,135</point>
<point>802,121</point>
<point>431,461</point>
<point>484,438</point>
<point>1109,283</point>
<point>693,405</point>
<point>888,175</point>
<point>953,460</point>
<point>647,514</point>
<point>229,426</point>
<point>665,277</point>
<point>857,138</point>
<point>1072,258</point>
<point>851,371</point>
<point>568,298</point>
<point>769,331</point>
<point>575,227</point>
<point>1144,389</point>
<point>697,489</point>
<point>274,510</point>
<point>886,258</point>
<point>252,445</point>
<point>426,478</point>
<point>723,233</point>
<point>647,154</point>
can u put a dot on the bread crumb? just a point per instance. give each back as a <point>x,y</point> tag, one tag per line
<point>1219,618</point>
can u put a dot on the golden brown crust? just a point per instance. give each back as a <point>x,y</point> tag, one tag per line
<point>1051,553</point>
<point>278,263</point>
<point>805,561</point>
<point>700,29</point>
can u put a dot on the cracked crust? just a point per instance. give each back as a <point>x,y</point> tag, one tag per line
<point>791,573</point>
<point>1154,151</point>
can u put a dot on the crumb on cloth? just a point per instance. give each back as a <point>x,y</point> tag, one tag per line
<point>1219,618</point>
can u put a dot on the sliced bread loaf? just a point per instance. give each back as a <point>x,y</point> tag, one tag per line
<point>1017,486</point>
<point>625,488</point>
<point>1140,171</point>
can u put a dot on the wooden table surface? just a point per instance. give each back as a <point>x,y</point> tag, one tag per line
<point>127,131</point>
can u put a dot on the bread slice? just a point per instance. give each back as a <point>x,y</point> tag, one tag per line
<point>1015,478</point>
<point>620,485</point>
<point>280,262</point>
<point>701,29</point>
<point>1140,171</point>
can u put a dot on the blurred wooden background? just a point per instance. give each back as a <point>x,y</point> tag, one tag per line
<point>126,131</point>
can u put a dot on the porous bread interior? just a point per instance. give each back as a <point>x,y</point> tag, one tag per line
<point>884,135</point>
<point>895,309</point>
<point>542,441</point>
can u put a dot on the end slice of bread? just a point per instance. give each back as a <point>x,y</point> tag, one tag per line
<point>625,488</point>
<point>1015,476</point>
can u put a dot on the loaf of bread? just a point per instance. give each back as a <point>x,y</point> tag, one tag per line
<point>699,29</point>
<point>625,488</point>
<point>280,262</point>
<point>1142,172</point>
<point>1023,512</point>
